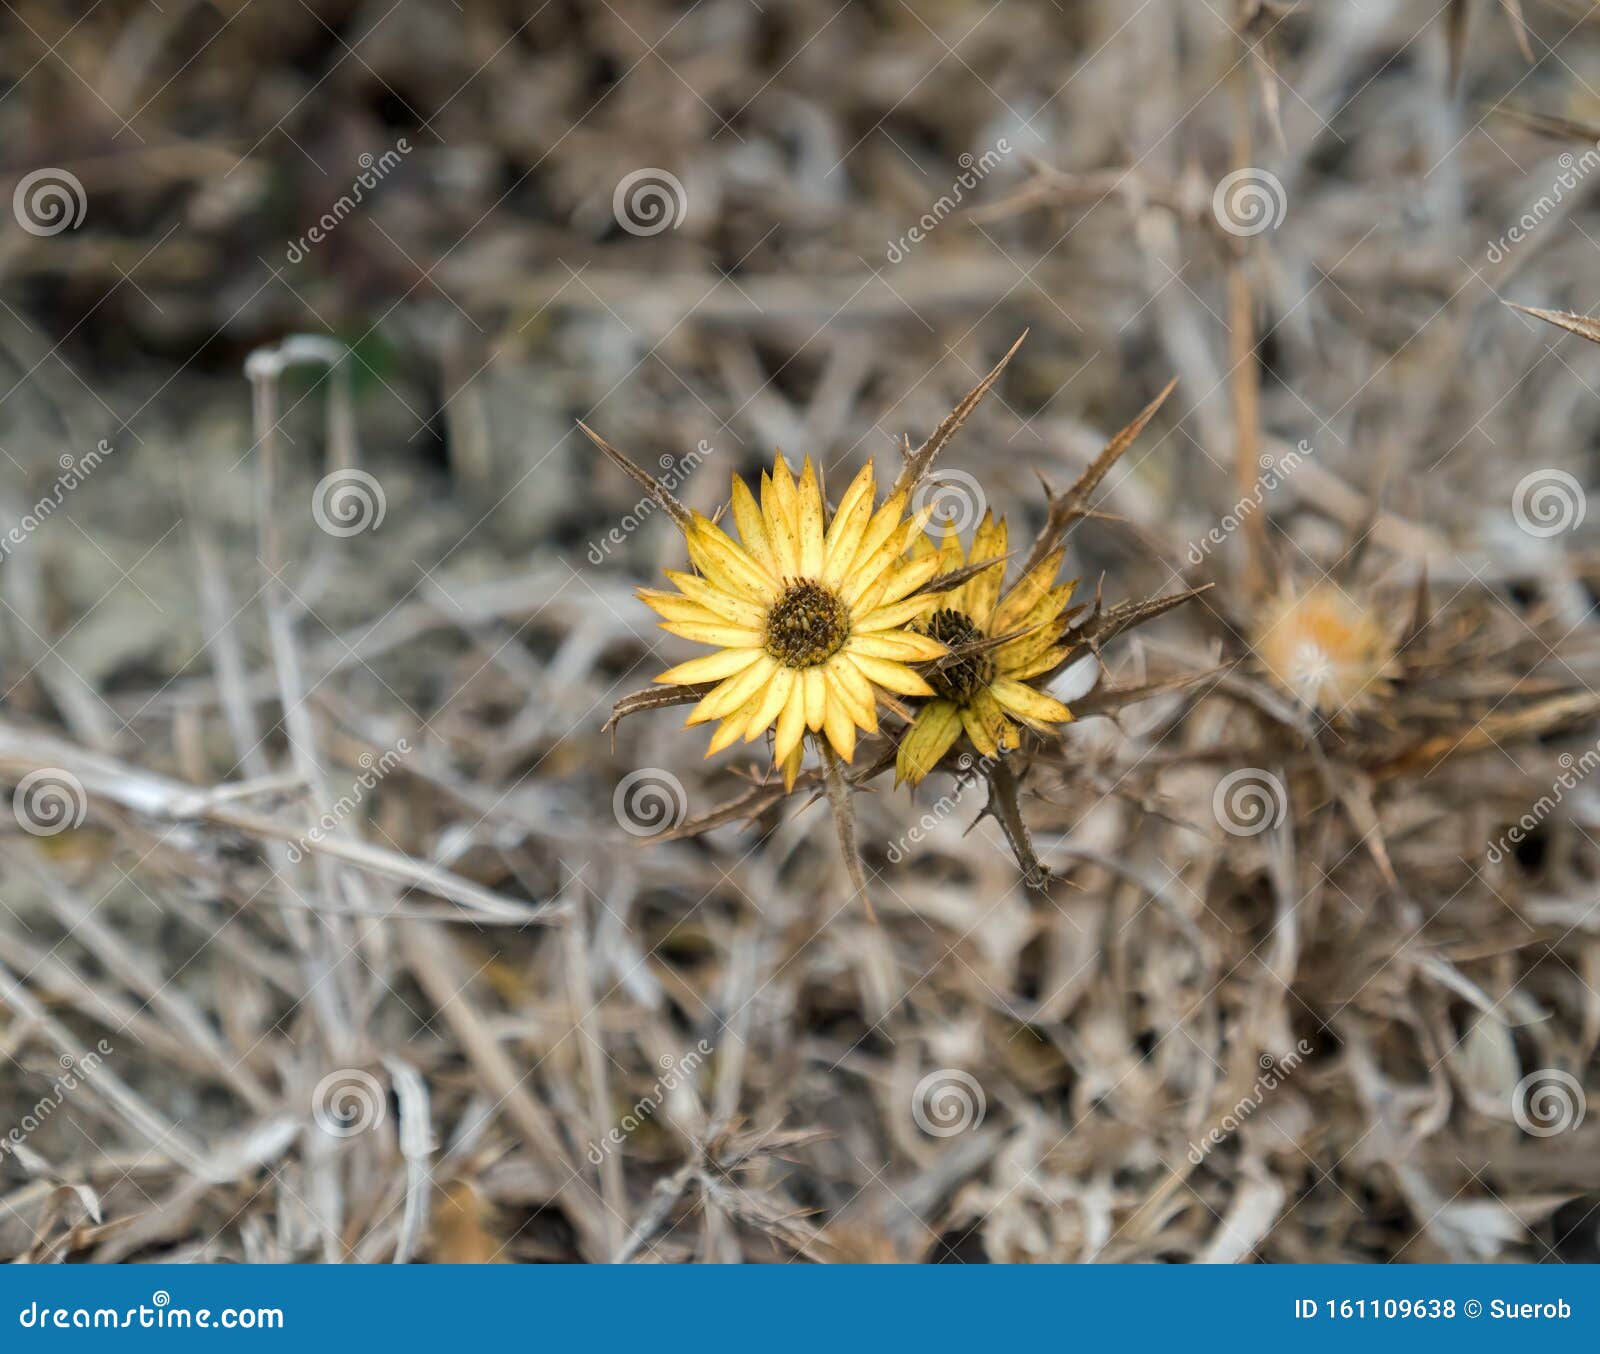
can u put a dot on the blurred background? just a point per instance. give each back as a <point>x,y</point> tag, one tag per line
<point>335,927</point>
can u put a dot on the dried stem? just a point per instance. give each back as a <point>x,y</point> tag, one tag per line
<point>844,820</point>
<point>1004,808</point>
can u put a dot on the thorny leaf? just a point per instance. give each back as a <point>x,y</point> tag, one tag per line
<point>648,482</point>
<point>956,577</point>
<point>920,461</point>
<point>652,698</point>
<point>1106,624</point>
<point>1581,325</point>
<point>1067,508</point>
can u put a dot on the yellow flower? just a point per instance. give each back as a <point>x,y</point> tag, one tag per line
<point>983,692</point>
<point>809,617</point>
<point>1324,648</point>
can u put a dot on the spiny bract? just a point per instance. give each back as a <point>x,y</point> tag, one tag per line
<point>809,616</point>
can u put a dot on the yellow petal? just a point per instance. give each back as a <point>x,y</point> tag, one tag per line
<point>872,568</point>
<point>1052,604</point>
<point>773,699</point>
<point>1043,663</point>
<point>858,703</point>
<point>890,676</point>
<point>739,610</point>
<point>808,509</point>
<point>904,646</point>
<point>862,587</point>
<point>728,733</point>
<point>846,684</point>
<point>791,767</point>
<point>883,524</point>
<point>791,723</point>
<point>896,614</point>
<point>716,632</point>
<point>676,607</point>
<point>950,546</point>
<point>986,710</point>
<point>1030,706</point>
<point>726,564</point>
<point>1027,593</point>
<point>907,579</point>
<point>977,732</point>
<point>935,728</point>
<point>841,730</point>
<point>752,531</point>
<point>711,667</point>
<point>981,593</point>
<point>844,532</point>
<point>1020,653</point>
<point>778,512</point>
<point>816,691</point>
<point>733,692</point>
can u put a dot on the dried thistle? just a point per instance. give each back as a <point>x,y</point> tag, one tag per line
<point>1324,648</point>
<point>819,619</point>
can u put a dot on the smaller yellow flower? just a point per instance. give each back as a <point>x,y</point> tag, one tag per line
<point>808,615</point>
<point>1323,648</point>
<point>983,693</point>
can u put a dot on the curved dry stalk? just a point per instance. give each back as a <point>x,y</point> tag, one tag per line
<point>844,821</point>
<point>652,698</point>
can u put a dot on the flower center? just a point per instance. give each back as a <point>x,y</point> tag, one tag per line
<point>958,679</point>
<point>807,625</point>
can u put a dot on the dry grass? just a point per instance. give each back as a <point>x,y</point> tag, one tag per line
<point>493,969</point>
